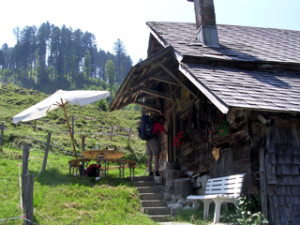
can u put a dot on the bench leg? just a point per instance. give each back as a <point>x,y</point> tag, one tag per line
<point>218,204</point>
<point>206,203</point>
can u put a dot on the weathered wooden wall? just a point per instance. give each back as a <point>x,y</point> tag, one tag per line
<point>282,164</point>
<point>240,151</point>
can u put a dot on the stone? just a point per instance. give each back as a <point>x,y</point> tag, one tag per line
<point>189,173</point>
<point>174,208</point>
<point>178,197</point>
<point>183,186</point>
<point>197,183</point>
<point>167,197</point>
<point>203,179</point>
<point>171,166</point>
<point>182,202</point>
<point>169,186</point>
<point>187,207</point>
<point>158,179</point>
<point>189,202</point>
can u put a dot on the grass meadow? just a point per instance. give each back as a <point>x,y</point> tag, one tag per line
<point>60,198</point>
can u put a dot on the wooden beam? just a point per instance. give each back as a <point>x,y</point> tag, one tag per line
<point>156,93</point>
<point>165,80</point>
<point>175,78</point>
<point>148,106</point>
<point>214,99</point>
<point>133,92</point>
<point>154,57</point>
<point>123,105</point>
<point>143,80</point>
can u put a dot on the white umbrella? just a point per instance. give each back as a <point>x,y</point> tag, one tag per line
<point>60,98</point>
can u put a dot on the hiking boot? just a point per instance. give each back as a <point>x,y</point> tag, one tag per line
<point>157,173</point>
<point>151,174</point>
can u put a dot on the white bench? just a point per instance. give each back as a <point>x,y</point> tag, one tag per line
<point>220,190</point>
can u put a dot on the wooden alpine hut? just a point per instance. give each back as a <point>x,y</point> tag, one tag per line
<point>236,91</point>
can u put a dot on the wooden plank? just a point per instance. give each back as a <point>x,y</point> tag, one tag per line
<point>175,78</point>
<point>46,152</point>
<point>263,184</point>
<point>156,94</point>
<point>148,106</point>
<point>174,133</point>
<point>191,128</point>
<point>165,80</point>
<point>270,171</point>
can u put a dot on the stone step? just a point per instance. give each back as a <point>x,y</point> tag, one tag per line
<point>144,178</point>
<point>151,196</point>
<point>148,189</point>
<point>144,183</point>
<point>160,218</point>
<point>153,203</point>
<point>156,210</point>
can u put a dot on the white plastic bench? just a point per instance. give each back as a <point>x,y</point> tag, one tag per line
<point>220,190</point>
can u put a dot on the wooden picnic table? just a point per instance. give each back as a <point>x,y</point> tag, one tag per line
<point>105,157</point>
<point>108,154</point>
<point>123,164</point>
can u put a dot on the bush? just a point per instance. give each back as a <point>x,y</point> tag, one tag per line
<point>102,104</point>
<point>248,212</point>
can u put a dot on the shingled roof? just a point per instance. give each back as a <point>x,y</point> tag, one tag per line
<point>272,91</point>
<point>231,87</point>
<point>236,42</point>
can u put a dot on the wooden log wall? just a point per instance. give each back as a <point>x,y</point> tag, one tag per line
<point>199,117</point>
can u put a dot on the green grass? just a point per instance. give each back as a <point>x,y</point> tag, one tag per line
<point>60,198</point>
<point>14,100</point>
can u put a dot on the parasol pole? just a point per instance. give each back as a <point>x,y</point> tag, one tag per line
<point>63,105</point>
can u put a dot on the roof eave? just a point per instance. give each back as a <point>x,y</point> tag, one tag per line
<point>214,99</point>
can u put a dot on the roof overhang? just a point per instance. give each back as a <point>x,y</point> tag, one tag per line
<point>214,99</point>
<point>141,78</point>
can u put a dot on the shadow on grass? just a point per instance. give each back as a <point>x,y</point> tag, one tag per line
<point>53,177</point>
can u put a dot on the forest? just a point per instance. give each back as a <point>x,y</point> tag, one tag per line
<point>49,58</point>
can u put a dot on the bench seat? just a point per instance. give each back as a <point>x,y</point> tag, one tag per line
<point>219,190</point>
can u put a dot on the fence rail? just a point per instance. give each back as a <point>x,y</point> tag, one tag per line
<point>113,133</point>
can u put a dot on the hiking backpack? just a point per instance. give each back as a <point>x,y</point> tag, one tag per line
<point>92,170</point>
<point>145,130</point>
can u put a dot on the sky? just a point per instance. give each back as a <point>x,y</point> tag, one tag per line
<point>126,19</point>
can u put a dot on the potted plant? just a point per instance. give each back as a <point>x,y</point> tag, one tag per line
<point>180,139</point>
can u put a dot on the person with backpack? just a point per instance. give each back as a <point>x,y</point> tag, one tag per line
<point>152,145</point>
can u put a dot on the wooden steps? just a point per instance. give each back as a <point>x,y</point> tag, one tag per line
<point>152,199</point>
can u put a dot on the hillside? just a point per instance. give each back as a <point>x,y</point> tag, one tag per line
<point>89,120</point>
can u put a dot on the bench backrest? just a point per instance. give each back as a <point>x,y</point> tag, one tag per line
<point>225,185</point>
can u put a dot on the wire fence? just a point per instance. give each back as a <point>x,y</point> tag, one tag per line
<point>26,202</point>
<point>111,131</point>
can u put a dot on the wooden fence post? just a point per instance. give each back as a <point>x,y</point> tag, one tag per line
<point>24,170</point>
<point>111,133</point>
<point>46,152</point>
<point>1,139</point>
<point>28,199</point>
<point>34,127</point>
<point>129,135</point>
<point>82,142</point>
<point>73,127</point>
